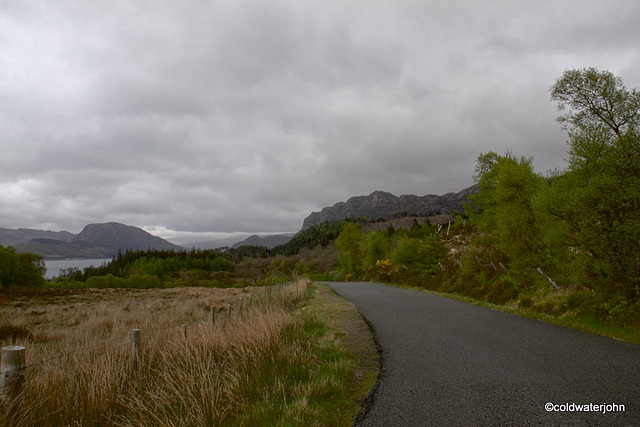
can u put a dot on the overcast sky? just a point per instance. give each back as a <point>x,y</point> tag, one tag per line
<point>222,116</point>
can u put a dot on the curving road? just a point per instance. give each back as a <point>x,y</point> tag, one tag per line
<point>447,362</point>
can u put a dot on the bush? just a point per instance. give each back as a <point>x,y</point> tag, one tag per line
<point>142,281</point>
<point>548,306</point>
<point>108,281</point>
<point>581,301</point>
<point>525,302</point>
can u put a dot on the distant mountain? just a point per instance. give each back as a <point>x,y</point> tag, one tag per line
<point>270,241</point>
<point>212,244</point>
<point>23,235</point>
<point>94,241</point>
<point>380,204</point>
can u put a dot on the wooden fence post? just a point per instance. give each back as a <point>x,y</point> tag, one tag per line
<point>229,311</point>
<point>213,316</point>
<point>184,331</point>
<point>12,380</point>
<point>135,350</point>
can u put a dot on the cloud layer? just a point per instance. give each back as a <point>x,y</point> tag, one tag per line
<point>245,116</point>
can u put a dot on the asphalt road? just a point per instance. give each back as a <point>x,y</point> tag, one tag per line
<point>449,363</point>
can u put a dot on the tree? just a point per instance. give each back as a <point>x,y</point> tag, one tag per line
<point>597,100</point>
<point>351,246</point>
<point>377,248</point>
<point>503,208</point>
<point>598,198</point>
<point>25,269</point>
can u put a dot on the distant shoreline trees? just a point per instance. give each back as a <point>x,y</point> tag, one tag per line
<point>20,269</point>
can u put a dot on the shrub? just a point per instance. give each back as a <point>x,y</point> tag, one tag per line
<point>108,281</point>
<point>143,281</point>
<point>525,302</point>
<point>581,301</point>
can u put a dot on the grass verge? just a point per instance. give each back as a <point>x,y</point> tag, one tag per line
<point>569,319</point>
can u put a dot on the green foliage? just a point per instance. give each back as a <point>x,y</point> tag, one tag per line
<point>143,281</point>
<point>414,255</point>
<point>503,208</point>
<point>351,246</point>
<point>377,248</point>
<point>160,263</point>
<point>319,235</point>
<point>108,281</point>
<point>20,269</point>
<point>597,100</point>
<point>596,204</point>
<point>581,225</point>
<point>419,257</point>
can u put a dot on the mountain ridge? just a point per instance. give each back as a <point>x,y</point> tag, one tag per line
<point>94,241</point>
<point>269,240</point>
<point>382,204</point>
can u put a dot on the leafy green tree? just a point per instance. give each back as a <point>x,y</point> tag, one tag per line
<point>598,101</point>
<point>377,248</point>
<point>351,246</point>
<point>597,200</point>
<point>503,208</point>
<point>24,269</point>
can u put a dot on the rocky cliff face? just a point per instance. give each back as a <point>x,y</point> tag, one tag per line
<point>380,204</point>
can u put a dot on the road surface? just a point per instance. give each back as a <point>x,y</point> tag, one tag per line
<point>447,362</point>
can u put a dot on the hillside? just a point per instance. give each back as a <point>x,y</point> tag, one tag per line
<point>269,241</point>
<point>380,204</point>
<point>23,235</point>
<point>94,241</point>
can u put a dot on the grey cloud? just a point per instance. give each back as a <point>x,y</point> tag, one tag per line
<point>245,116</point>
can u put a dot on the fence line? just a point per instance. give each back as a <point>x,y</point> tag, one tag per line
<point>75,351</point>
<point>12,376</point>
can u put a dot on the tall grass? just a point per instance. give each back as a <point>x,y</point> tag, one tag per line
<point>255,367</point>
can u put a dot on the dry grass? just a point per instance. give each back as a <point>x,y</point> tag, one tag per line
<point>252,366</point>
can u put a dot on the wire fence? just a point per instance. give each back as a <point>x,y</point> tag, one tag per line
<point>14,370</point>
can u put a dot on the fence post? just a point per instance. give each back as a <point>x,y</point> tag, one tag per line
<point>12,380</point>
<point>229,310</point>
<point>184,331</point>
<point>213,316</point>
<point>135,352</point>
<point>548,278</point>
